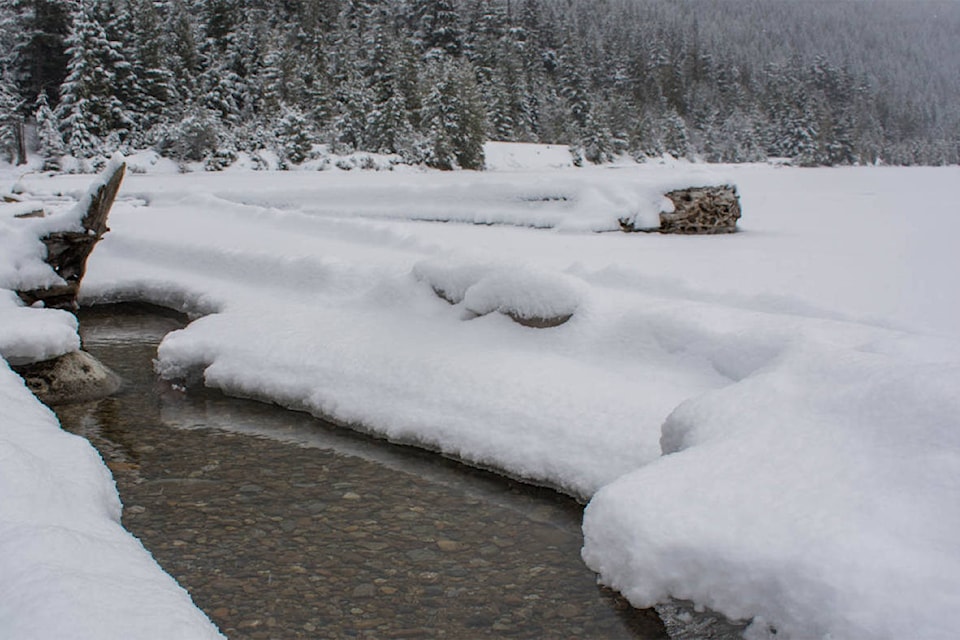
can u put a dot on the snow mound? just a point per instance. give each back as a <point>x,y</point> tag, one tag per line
<point>522,292</point>
<point>818,496</point>
<point>527,294</point>
<point>450,279</point>
<point>31,335</point>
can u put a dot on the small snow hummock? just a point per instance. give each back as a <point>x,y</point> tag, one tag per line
<point>521,292</point>
<point>30,334</point>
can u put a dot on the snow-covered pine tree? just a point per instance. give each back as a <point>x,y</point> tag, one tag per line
<point>388,128</point>
<point>118,26</point>
<point>294,136</point>
<point>39,29</point>
<point>89,109</point>
<point>51,146</point>
<point>591,138</point>
<point>490,46</point>
<point>453,119</point>
<point>436,28</point>
<point>11,132</point>
<point>348,59</point>
<point>154,91</point>
<point>11,36</point>
<point>181,54</point>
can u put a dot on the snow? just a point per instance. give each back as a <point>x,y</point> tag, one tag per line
<point>31,335</point>
<point>516,290</point>
<point>764,423</point>
<point>817,496</point>
<point>510,156</point>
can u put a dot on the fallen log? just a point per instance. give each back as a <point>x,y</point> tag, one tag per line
<point>702,210</point>
<point>697,210</point>
<point>67,251</point>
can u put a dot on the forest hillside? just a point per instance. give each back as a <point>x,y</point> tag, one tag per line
<point>819,82</point>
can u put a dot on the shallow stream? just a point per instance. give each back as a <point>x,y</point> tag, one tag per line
<point>282,526</point>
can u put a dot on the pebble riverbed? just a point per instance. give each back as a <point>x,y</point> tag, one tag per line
<point>282,526</point>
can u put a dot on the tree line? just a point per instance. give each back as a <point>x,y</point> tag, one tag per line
<point>820,82</point>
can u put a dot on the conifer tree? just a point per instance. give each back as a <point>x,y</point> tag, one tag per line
<point>89,110</point>
<point>10,121</point>
<point>181,53</point>
<point>294,136</point>
<point>453,120</point>
<point>153,91</point>
<point>41,28</point>
<point>50,139</point>
<point>436,28</point>
<point>388,128</point>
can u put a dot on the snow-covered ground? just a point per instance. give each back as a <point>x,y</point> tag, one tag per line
<point>765,423</point>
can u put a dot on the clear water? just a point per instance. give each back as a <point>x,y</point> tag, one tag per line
<point>282,526</point>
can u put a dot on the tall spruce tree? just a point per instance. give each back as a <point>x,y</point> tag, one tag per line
<point>453,119</point>
<point>89,109</point>
<point>50,140</point>
<point>42,27</point>
<point>11,132</point>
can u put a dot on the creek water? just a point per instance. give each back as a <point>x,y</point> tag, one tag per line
<point>283,526</point>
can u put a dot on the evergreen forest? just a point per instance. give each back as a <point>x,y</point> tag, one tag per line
<point>821,82</point>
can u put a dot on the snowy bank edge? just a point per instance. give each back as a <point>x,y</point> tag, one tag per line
<point>62,548</point>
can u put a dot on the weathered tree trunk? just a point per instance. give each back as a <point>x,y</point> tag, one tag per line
<point>20,140</point>
<point>702,210</point>
<point>697,210</point>
<point>67,251</point>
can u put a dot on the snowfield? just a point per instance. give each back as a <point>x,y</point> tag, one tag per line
<point>764,423</point>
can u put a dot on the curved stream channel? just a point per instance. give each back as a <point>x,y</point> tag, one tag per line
<point>282,526</point>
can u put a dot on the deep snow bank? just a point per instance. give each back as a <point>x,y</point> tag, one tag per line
<point>69,569</point>
<point>818,496</point>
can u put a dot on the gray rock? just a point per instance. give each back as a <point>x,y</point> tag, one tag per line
<point>73,377</point>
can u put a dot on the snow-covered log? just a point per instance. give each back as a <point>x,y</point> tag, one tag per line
<point>68,250</point>
<point>702,210</point>
<point>697,210</point>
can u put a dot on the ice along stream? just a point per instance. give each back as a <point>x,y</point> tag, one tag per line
<point>282,526</point>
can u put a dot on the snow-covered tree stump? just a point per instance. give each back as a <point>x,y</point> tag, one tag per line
<point>67,251</point>
<point>702,210</point>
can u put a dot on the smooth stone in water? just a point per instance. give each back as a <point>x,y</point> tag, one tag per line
<point>72,377</point>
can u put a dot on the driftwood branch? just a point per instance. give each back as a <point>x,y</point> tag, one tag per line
<point>67,251</point>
